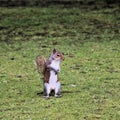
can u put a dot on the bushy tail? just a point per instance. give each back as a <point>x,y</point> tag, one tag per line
<point>40,63</point>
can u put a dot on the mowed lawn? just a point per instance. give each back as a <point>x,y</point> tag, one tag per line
<point>90,73</point>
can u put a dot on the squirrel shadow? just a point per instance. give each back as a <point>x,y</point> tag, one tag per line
<point>61,93</point>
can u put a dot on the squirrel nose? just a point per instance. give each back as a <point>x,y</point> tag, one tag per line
<point>63,58</point>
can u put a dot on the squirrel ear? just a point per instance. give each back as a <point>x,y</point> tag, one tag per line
<point>54,50</point>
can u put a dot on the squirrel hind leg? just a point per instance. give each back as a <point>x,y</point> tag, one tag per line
<point>57,89</point>
<point>47,90</point>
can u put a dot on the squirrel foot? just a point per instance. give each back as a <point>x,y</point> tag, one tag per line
<point>57,96</point>
<point>47,97</point>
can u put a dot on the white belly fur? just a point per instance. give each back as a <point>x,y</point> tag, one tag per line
<point>53,80</point>
<point>53,76</point>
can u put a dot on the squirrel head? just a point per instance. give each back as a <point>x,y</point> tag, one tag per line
<point>57,55</point>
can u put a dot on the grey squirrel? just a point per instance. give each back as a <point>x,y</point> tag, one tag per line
<point>50,69</point>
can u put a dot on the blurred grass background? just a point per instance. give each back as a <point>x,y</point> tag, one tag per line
<point>89,36</point>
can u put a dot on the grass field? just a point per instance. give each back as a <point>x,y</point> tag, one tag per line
<point>90,74</point>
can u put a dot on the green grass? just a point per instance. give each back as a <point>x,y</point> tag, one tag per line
<point>90,74</point>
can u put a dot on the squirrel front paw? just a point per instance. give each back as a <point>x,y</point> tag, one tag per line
<point>57,71</point>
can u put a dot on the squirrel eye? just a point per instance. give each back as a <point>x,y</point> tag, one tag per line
<point>58,55</point>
